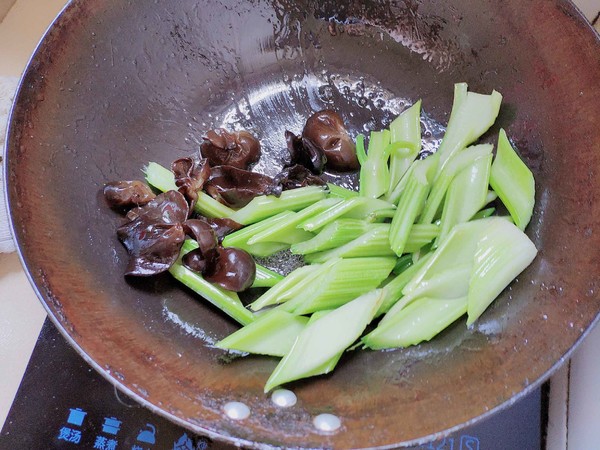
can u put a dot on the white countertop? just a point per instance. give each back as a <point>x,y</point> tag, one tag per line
<point>21,314</point>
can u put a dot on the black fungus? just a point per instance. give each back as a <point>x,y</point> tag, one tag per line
<point>202,232</point>
<point>305,153</point>
<point>126,194</point>
<point>223,226</point>
<point>236,187</point>
<point>234,269</point>
<point>293,177</point>
<point>154,234</point>
<point>326,131</point>
<point>190,175</point>
<point>238,149</point>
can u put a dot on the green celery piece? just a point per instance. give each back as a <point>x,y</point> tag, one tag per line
<point>472,115</point>
<point>345,280</point>
<point>353,208</point>
<point>329,365</point>
<point>285,289</point>
<point>265,206</point>
<point>491,195</point>
<point>406,133</point>
<point>392,291</point>
<point>460,161</point>
<point>395,195</point>
<point>466,194</point>
<point>403,263</point>
<point>243,235</point>
<point>420,321</point>
<point>381,215</point>
<point>332,235</point>
<point>272,333</point>
<point>410,205</point>
<point>445,285</point>
<point>361,154</point>
<point>487,212</point>
<point>502,254</point>
<point>164,180</point>
<point>226,301</point>
<point>374,171</point>
<point>286,230</point>
<point>512,180</point>
<point>325,338</point>
<point>336,191</point>
<point>264,277</point>
<point>375,242</point>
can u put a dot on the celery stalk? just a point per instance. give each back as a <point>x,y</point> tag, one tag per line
<point>472,115</point>
<point>286,230</point>
<point>456,164</point>
<point>491,195</point>
<point>482,214</point>
<point>325,338</point>
<point>375,242</point>
<point>361,154</point>
<point>284,290</point>
<point>406,134</point>
<point>333,235</point>
<point>374,171</point>
<point>336,191</point>
<point>345,280</point>
<point>273,333</point>
<point>164,180</point>
<point>392,291</point>
<point>501,255</point>
<point>513,182</point>
<point>395,195</point>
<point>226,301</point>
<point>410,205</point>
<point>420,321</point>
<point>265,206</point>
<point>466,194</point>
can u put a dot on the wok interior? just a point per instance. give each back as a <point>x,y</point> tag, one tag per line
<point>115,85</point>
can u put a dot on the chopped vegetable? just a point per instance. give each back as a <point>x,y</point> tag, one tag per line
<point>512,180</point>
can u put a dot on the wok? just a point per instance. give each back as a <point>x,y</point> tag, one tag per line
<point>115,84</point>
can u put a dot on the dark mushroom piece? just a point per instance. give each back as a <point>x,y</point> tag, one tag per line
<point>190,175</point>
<point>202,233</point>
<point>293,177</point>
<point>234,269</point>
<point>154,235</point>
<point>236,187</point>
<point>325,130</point>
<point>126,194</point>
<point>305,153</point>
<point>237,149</point>
<point>223,226</point>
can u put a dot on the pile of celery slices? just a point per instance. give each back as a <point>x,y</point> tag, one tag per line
<point>415,249</point>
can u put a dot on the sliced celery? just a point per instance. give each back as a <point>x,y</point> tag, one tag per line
<point>466,194</point>
<point>284,290</point>
<point>395,195</point>
<point>330,214</point>
<point>336,191</point>
<point>501,255</point>
<point>403,263</point>
<point>361,154</point>
<point>164,180</point>
<point>374,172</point>
<point>406,134</point>
<point>420,321</point>
<point>325,338</point>
<point>472,115</point>
<point>264,277</point>
<point>226,301</point>
<point>410,205</point>
<point>345,280</point>
<point>392,291</point>
<point>513,182</point>
<point>487,212</point>
<point>370,209</point>
<point>456,164</point>
<point>273,333</point>
<point>375,242</point>
<point>491,195</point>
<point>286,230</point>
<point>333,235</point>
<point>265,206</point>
